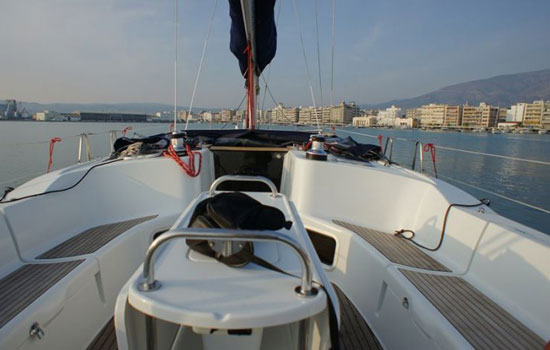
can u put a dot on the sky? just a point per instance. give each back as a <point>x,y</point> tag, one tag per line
<point>119,51</point>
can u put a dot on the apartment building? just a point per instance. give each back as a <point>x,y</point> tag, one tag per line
<point>387,116</point>
<point>533,114</point>
<point>415,113</point>
<point>227,115</point>
<point>433,115</point>
<point>309,115</point>
<point>545,120</point>
<point>343,113</point>
<point>364,121</point>
<point>284,115</point>
<point>453,116</point>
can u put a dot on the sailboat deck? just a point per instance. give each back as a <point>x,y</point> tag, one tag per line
<point>23,286</point>
<point>483,323</point>
<point>355,333</point>
<point>395,249</point>
<point>105,339</point>
<point>92,239</point>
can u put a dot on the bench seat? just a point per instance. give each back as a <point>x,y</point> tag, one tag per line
<point>23,286</point>
<point>395,249</point>
<point>482,322</point>
<point>92,239</point>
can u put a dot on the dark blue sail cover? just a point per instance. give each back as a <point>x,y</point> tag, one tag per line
<point>265,31</point>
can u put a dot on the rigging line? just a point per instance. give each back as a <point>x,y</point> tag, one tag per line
<point>176,27</point>
<point>498,195</point>
<point>332,53</point>
<point>270,65</point>
<point>526,160</point>
<point>297,17</point>
<point>318,50</point>
<point>200,64</point>
<point>495,155</point>
<point>237,109</point>
<point>268,90</point>
<point>357,133</point>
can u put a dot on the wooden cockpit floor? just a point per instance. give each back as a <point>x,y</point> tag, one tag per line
<point>395,249</point>
<point>92,239</point>
<point>23,286</point>
<point>105,339</point>
<point>355,333</point>
<point>483,323</point>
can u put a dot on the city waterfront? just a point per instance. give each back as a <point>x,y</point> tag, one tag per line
<point>24,155</point>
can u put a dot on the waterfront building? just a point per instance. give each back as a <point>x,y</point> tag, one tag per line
<point>482,116</point>
<point>3,108</point>
<point>112,117</point>
<point>406,123</point>
<point>415,113</point>
<point>364,121</point>
<point>502,112</point>
<point>309,115</point>
<point>489,115</point>
<point>516,113</point>
<point>453,116</point>
<point>183,115</point>
<point>340,114</point>
<point>433,115</point>
<point>471,116</point>
<point>545,120</point>
<point>227,115</point>
<point>47,115</point>
<point>264,117</point>
<point>436,115</point>
<point>387,117</point>
<point>284,115</point>
<point>533,114</point>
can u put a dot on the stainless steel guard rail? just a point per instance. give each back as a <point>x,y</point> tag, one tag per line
<point>265,180</point>
<point>150,284</point>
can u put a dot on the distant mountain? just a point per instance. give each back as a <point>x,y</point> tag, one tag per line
<point>142,108</point>
<point>502,90</point>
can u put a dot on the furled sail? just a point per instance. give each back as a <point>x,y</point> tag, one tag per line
<point>265,33</point>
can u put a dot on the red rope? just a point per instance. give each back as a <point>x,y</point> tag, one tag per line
<point>52,143</point>
<point>125,130</point>
<point>189,167</point>
<point>308,145</point>
<point>429,147</point>
<point>380,142</point>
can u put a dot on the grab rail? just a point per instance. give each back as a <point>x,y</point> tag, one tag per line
<point>150,284</point>
<point>84,137</point>
<point>265,180</point>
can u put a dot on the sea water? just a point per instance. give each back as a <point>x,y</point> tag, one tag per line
<point>24,152</point>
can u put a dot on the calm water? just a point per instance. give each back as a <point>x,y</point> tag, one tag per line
<point>24,155</point>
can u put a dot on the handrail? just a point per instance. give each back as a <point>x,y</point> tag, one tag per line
<point>265,180</point>
<point>113,136</point>
<point>149,283</point>
<point>83,137</point>
<point>526,160</point>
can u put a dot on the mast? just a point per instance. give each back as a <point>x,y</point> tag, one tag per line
<point>251,73</point>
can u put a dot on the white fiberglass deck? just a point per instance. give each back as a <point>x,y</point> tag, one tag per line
<point>203,292</point>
